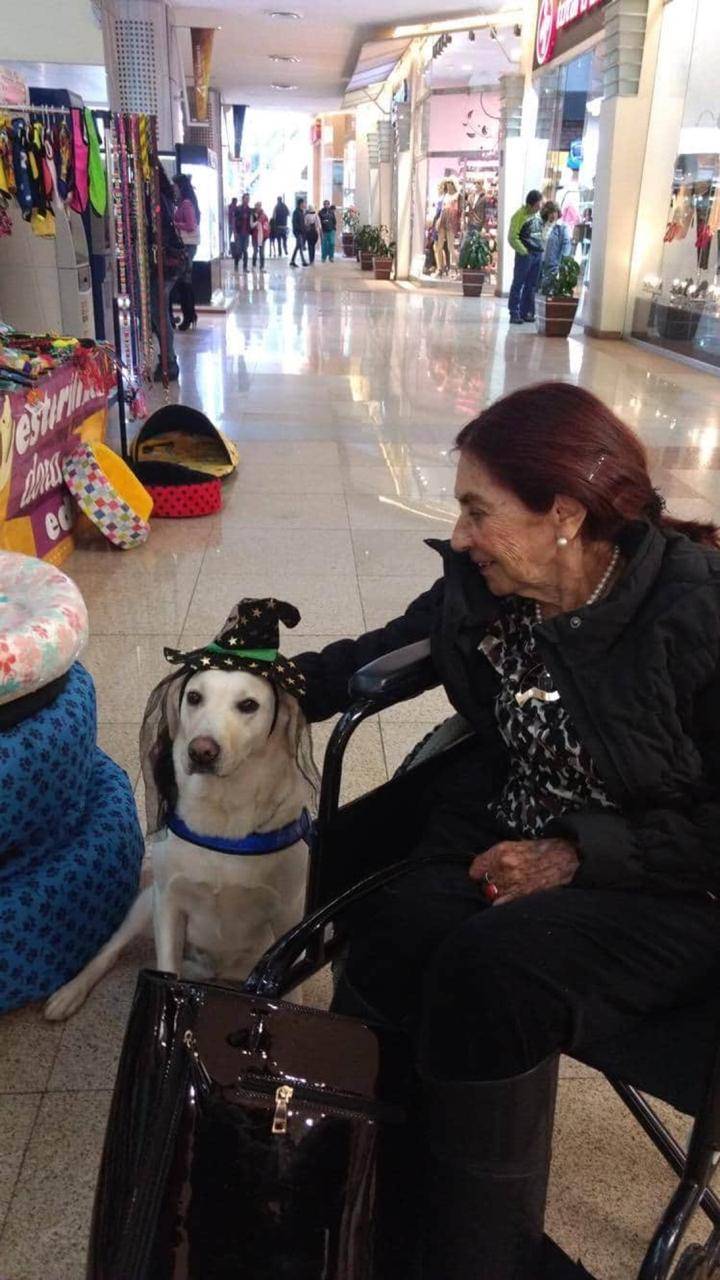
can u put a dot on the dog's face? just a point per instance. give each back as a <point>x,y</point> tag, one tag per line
<point>225,717</point>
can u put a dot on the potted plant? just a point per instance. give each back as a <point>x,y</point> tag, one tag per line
<point>351,222</point>
<point>365,241</point>
<point>474,257</point>
<point>383,254</point>
<point>556,303</point>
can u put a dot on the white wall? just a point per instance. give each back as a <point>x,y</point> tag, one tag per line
<point>50,31</point>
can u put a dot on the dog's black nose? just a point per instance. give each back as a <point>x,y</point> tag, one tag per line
<point>203,752</point>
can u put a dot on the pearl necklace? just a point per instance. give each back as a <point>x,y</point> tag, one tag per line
<point>599,590</point>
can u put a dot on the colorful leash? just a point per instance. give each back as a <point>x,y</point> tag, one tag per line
<point>159,256</point>
<point>126,179</point>
<point>143,262</point>
<point>125,353</point>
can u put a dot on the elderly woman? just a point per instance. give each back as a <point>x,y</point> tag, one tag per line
<point>576,627</point>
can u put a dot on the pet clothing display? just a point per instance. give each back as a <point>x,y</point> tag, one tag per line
<point>109,494</point>
<point>43,625</point>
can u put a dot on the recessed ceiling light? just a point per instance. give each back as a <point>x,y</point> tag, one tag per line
<point>281,57</point>
<point>283,87</point>
<point>283,13</point>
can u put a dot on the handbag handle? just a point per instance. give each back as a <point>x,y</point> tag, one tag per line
<point>267,977</point>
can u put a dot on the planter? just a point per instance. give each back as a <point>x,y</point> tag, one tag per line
<point>555,315</point>
<point>382,268</point>
<point>366,261</point>
<point>348,244</point>
<point>472,283</point>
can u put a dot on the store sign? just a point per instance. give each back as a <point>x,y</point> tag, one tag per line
<point>37,430</point>
<point>555,17</point>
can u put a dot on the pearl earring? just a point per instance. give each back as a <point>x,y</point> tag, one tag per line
<point>562,542</point>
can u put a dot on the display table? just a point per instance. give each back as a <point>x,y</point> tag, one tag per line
<point>38,427</point>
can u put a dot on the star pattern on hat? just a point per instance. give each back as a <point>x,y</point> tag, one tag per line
<point>253,625</point>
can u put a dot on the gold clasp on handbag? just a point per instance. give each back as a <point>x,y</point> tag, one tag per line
<point>282,1098</point>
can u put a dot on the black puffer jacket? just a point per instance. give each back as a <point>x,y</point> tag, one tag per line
<point>639,674</point>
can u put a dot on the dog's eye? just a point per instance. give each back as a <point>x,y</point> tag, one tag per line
<point>247,706</point>
<point>194,697</point>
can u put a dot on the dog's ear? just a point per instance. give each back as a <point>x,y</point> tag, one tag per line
<point>297,739</point>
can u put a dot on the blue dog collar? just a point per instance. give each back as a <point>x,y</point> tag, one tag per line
<point>257,843</point>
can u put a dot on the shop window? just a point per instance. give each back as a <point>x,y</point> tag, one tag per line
<point>677,299</point>
<point>569,100</point>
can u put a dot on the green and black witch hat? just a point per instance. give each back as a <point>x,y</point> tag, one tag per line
<point>249,640</point>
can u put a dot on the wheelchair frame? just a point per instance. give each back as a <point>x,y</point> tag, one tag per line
<point>402,675</point>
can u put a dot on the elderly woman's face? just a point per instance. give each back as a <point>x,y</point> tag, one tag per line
<point>513,547</point>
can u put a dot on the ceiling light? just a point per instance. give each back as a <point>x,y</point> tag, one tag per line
<point>283,87</point>
<point>467,66</point>
<point>282,57</point>
<point>283,13</point>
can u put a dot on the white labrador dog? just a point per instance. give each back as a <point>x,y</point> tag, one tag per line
<point>215,913</point>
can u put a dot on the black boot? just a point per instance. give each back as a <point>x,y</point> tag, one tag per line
<point>187,302</point>
<point>488,1156</point>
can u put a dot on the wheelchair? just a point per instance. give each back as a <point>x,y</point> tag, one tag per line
<point>674,1057</point>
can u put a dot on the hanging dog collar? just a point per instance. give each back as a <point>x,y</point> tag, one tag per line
<point>258,842</point>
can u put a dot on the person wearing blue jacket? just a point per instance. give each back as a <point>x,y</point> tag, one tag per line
<point>556,234</point>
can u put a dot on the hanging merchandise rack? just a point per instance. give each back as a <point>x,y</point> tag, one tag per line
<point>131,160</point>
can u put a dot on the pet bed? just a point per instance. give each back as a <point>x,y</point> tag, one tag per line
<point>187,438</point>
<point>179,492</point>
<point>43,625</point>
<point>108,493</point>
<point>46,764</point>
<point>63,898</point>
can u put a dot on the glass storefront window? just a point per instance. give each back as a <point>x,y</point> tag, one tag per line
<point>677,299</point>
<point>570,96</point>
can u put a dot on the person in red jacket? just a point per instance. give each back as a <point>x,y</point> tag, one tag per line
<point>260,232</point>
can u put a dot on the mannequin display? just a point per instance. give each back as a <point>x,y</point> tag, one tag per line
<point>448,223</point>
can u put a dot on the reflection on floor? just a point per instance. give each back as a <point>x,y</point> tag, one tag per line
<point>344,396</point>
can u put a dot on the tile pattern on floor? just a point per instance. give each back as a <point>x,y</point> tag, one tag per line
<point>344,398</point>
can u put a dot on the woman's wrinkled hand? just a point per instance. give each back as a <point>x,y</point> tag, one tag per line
<point>519,867</point>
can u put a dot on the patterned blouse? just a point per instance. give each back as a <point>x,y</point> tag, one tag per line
<point>551,773</point>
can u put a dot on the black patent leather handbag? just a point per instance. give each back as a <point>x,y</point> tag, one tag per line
<point>242,1137</point>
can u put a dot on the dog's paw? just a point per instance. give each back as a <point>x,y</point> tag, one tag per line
<point>66,1001</point>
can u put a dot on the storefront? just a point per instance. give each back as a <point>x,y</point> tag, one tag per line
<point>456,153</point>
<point>675,292</point>
<point>567,77</point>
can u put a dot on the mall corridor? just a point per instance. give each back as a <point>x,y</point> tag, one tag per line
<point>344,398</point>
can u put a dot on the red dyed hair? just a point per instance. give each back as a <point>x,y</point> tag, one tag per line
<point>556,438</point>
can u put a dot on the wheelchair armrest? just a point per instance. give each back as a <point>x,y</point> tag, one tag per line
<point>396,676</point>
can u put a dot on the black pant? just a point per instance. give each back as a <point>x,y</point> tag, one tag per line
<point>299,247</point>
<point>281,236</point>
<point>490,992</point>
<point>259,251</point>
<point>311,242</point>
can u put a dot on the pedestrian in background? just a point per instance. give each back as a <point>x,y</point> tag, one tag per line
<point>281,214</point>
<point>232,208</point>
<point>313,231</point>
<point>298,226</point>
<point>260,232</point>
<point>328,223</point>
<point>273,251</point>
<point>558,241</point>
<point>243,213</point>
<point>187,224</point>
<point>525,237</point>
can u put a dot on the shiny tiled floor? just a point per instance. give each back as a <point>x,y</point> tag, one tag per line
<point>344,396</point>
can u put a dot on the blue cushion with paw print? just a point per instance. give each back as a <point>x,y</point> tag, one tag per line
<point>61,897</point>
<point>46,764</point>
